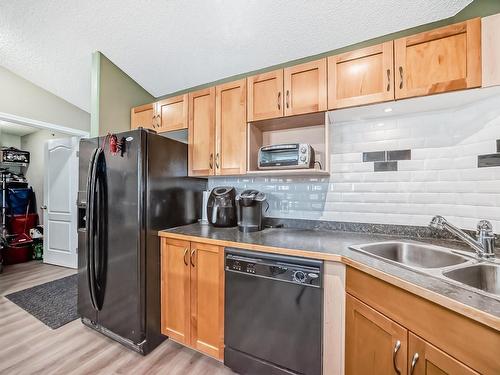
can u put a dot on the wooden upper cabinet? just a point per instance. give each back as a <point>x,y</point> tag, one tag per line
<point>361,77</point>
<point>490,49</point>
<point>426,359</point>
<point>142,116</point>
<point>265,95</point>
<point>305,88</point>
<point>201,132</point>
<point>374,343</point>
<point>231,125</point>
<point>445,59</point>
<point>173,113</point>
<point>175,290</point>
<point>207,299</point>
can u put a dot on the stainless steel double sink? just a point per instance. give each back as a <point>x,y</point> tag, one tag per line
<point>451,265</point>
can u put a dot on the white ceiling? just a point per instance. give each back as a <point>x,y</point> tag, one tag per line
<point>169,45</point>
<point>15,129</point>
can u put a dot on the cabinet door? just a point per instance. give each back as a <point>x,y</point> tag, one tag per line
<point>175,290</point>
<point>445,59</point>
<point>207,299</point>
<point>173,113</point>
<point>490,42</point>
<point>374,343</point>
<point>143,116</point>
<point>231,125</point>
<point>265,95</point>
<point>305,88</point>
<point>426,359</point>
<point>361,77</point>
<point>201,132</point>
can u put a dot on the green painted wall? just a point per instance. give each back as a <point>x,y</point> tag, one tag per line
<point>478,8</point>
<point>113,94</point>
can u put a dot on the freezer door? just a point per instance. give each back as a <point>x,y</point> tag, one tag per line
<point>85,307</point>
<point>123,310</point>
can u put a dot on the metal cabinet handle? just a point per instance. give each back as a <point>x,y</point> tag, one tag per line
<point>414,362</point>
<point>217,160</point>
<point>388,79</point>
<point>288,98</point>
<point>185,253</point>
<point>191,257</point>
<point>279,100</point>
<point>401,76</point>
<point>394,355</point>
<point>211,162</point>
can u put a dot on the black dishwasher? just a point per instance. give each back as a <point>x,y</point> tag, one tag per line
<point>273,314</point>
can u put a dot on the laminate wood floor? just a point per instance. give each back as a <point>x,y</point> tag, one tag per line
<point>27,346</point>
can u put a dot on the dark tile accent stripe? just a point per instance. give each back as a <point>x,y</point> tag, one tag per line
<point>374,156</point>
<point>399,155</point>
<point>490,160</point>
<point>385,166</point>
<point>498,145</point>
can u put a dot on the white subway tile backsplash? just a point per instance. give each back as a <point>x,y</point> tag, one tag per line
<point>442,176</point>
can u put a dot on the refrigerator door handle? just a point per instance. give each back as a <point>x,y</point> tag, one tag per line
<point>90,225</point>
<point>100,253</point>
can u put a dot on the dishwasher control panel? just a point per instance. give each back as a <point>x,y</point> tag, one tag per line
<point>281,268</point>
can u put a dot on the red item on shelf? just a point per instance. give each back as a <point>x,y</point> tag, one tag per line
<point>20,254</point>
<point>19,224</point>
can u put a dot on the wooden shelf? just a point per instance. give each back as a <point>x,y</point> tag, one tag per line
<point>290,122</point>
<point>289,172</point>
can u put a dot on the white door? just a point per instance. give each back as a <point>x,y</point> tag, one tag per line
<point>60,189</point>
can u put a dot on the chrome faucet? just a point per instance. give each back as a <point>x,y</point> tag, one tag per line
<point>484,245</point>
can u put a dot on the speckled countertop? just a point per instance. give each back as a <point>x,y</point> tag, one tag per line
<point>334,245</point>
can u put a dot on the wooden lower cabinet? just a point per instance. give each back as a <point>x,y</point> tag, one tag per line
<point>426,359</point>
<point>192,295</point>
<point>207,299</point>
<point>374,343</point>
<point>434,340</point>
<point>175,290</point>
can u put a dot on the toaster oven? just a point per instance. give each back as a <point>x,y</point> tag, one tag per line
<point>286,156</point>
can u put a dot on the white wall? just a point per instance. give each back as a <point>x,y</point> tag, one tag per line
<point>442,176</point>
<point>35,144</point>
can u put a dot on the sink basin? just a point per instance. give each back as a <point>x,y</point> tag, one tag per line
<point>485,277</point>
<point>412,254</point>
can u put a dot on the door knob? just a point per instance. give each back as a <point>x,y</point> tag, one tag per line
<point>44,207</point>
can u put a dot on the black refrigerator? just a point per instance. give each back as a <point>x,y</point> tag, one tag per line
<point>126,194</point>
